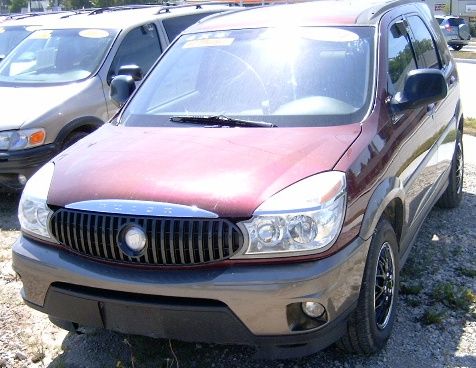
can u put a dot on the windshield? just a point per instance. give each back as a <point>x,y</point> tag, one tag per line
<point>301,76</point>
<point>10,37</point>
<point>56,56</point>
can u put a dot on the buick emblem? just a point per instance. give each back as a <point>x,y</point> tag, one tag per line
<point>132,240</point>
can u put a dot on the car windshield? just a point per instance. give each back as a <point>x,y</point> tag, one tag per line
<point>56,56</point>
<point>10,37</point>
<point>299,76</point>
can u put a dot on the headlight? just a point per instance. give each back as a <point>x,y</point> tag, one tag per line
<point>303,218</point>
<point>13,140</point>
<point>33,212</point>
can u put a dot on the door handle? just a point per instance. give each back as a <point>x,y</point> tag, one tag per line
<point>452,80</point>
<point>430,109</point>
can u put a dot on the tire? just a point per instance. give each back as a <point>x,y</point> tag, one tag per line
<point>72,139</point>
<point>452,196</point>
<point>456,47</point>
<point>369,327</point>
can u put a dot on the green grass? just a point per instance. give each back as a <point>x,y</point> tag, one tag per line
<point>470,126</point>
<point>432,316</point>
<point>463,54</point>
<point>410,288</point>
<point>413,301</point>
<point>455,297</point>
<point>468,272</point>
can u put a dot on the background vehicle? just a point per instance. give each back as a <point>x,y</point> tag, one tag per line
<point>54,86</point>
<point>456,31</point>
<point>271,205</point>
<point>15,29</point>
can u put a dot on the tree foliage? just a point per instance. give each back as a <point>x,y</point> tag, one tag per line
<point>16,5</point>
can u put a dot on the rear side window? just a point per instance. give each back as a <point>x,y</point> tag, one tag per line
<point>439,20</point>
<point>455,22</point>
<point>423,44</point>
<point>141,47</point>
<point>174,26</point>
<point>400,59</point>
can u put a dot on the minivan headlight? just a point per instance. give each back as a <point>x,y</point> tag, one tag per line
<point>303,218</point>
<point>33,212</point>
<point>13,140</point>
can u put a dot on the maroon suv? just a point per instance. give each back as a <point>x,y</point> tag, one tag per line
<point>263,186</point>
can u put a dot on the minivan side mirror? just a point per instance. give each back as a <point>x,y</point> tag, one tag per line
<point>422,87</point>
<point>133,70</point>
<point>122,87</point>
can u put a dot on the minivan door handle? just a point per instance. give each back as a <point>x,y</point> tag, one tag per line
<point>430,109</point>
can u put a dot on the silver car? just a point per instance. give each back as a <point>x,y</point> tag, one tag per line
<point>456,31</point>
<point>55,85</point>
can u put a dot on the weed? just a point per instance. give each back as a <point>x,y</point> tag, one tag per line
<point>410,288</point>
<point>470,126</point>
<point>468,272</point>
<point>432,316</point>
<point>454,296</point>
<point>412,301</point>
<point>413,270</point>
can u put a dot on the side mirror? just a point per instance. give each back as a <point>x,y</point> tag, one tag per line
<point>122,87</point>
<point>133,70</point>
<point>422,87</point>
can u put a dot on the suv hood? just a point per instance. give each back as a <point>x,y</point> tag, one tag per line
<point>228,171</point>
<point>22,105</point>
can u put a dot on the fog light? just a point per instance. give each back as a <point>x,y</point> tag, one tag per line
<point>313,309</point>
<point>22,179</point>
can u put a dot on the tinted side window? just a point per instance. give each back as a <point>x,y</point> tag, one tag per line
<point>424,45</point>
<point>173,26</point>
<point>400,59</point>
<point>141,47</point>
<point>455,22</point>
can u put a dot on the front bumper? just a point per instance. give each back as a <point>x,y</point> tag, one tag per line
<point>241,304</point>
<point>23,162</point>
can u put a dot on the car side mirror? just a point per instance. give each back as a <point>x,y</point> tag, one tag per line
<point>133,70</point>
<point>422,87</point>
<point>122,88</point>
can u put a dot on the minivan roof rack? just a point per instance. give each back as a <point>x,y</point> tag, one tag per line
<point>195,4</point>
<point>93,11</point>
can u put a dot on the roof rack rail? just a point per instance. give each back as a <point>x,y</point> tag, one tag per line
<point>94,11</point>
<point>195,4</point>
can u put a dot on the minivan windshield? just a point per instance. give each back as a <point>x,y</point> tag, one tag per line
<point>56,56</point>
<point>11,36</point>
<point>293,76</point>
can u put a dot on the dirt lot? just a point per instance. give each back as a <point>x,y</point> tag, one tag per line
<point>436,325</point>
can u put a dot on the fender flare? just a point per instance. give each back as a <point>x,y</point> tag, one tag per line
<point>387,191</point>
<point>84,123</point>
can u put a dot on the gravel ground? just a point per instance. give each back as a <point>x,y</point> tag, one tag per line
<point>436,324</point>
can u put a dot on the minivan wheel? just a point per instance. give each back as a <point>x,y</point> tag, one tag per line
<point>453,194</point>
<point>370,325</point>
<point>72,139</point>
<point>457,47</point>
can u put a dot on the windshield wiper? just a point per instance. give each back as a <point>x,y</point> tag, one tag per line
<point>220,120</point>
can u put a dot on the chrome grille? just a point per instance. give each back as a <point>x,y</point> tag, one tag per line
<point>170,241</point>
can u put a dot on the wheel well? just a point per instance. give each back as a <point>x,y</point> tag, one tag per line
<point>461,124</point>
<point>394,214</point>
<point>83,128</point>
